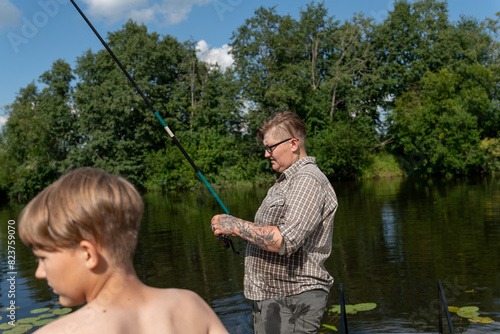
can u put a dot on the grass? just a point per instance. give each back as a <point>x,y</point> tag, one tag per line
<point>383,165</point>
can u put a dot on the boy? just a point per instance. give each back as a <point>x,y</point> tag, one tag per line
<point>83,229</point>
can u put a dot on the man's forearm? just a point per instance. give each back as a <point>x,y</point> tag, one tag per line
<point>266,237</point>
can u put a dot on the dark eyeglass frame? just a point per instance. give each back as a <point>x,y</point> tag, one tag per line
<point>269,149</point>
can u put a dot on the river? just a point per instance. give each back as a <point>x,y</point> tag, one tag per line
<point>393,239</point>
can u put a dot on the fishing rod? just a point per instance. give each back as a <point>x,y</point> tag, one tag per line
<point>224,240</point>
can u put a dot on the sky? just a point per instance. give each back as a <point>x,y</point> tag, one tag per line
<point>36,33</point>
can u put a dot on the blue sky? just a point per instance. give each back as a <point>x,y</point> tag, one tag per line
<point>34,34</point>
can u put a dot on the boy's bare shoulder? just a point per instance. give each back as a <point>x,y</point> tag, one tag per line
<point>175,293</point>
<point>156,310</point>
<point>176,298</point>
<point>189,312</point>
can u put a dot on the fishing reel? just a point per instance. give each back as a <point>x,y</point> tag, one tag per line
<point>226,242</point>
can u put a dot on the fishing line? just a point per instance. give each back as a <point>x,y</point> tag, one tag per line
<point>225,241</point>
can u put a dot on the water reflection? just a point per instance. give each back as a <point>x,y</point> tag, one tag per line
<point>391,231</point>
<point>393,246</point>
<point>393,239</point>
<point>235,312</point>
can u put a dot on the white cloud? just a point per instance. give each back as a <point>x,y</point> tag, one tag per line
<point>142,15</point>
<point>9,14</point>
<point>165,12</point>
<point>113,10</point>
<point>219,56</point>
<point>3,120</point>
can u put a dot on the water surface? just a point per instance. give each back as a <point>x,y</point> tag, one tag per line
<point>393,239</point>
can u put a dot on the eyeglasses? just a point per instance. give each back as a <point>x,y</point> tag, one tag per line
<point>269,149</point>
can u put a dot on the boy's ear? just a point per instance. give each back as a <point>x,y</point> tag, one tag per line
<point>90,254</point>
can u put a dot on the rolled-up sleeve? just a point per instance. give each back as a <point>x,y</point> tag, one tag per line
<point>304,208</point>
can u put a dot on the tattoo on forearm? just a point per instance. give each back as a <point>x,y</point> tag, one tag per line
<point>258,235</point>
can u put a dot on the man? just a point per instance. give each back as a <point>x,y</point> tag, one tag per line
<point>291,236</point>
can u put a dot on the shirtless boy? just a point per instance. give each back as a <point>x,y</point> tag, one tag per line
<point>83,230</point>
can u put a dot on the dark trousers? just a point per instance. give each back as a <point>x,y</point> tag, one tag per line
<point>300,313</point>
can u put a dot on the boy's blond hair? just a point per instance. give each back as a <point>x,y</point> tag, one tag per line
<point>284,124</point>
<point>85,204</point>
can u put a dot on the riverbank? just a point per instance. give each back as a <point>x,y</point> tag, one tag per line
<point>383,165</point>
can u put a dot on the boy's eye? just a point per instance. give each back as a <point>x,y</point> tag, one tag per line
<point>39,258</point>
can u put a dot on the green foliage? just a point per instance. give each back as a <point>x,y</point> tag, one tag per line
<point>407,43</point>
<point>491,152</point>
<point>221,159</point>
<point>316,67</point>
<point>435,80</point>
<point>438,122</point>
<point>38,134</point>
<point>342,149</point>
<point>115,127</point>
<point>382,164</point>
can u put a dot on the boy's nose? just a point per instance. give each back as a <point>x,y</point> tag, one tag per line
<point>40,271</point>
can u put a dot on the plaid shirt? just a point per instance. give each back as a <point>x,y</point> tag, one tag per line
<point>302,204</point>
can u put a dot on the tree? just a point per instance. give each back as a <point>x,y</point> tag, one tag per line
<point>320,70</point>
<point>116,129</point>
<point>315,37</point>
<point>435,124</point>
<point>38,133</point>
<point>55,104</point>
<point>473,53</point>
<point>436,80</point>
<point>18,143</point>
<point>342,149</point>
<point>406,43</point>
<point>266,61</point>
<point>353,82</point>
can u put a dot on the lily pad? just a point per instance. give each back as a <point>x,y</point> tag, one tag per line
<point>335,308</point>
<point>468,309</point>
<point>482,320</point>
<point>6,325</point>
<point>350,309</point>
<point>40,310</point>
<point>42,322</point>
<point>61,311</point>
<point>365,306</point>
<point>46,315</point>
<point>468,312</point>
<point>7,309</point>
<point>28,320</point>
<point>19,329</point>
<point>468,315</point>
<point>353,309</point>
<point>453,309</point>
